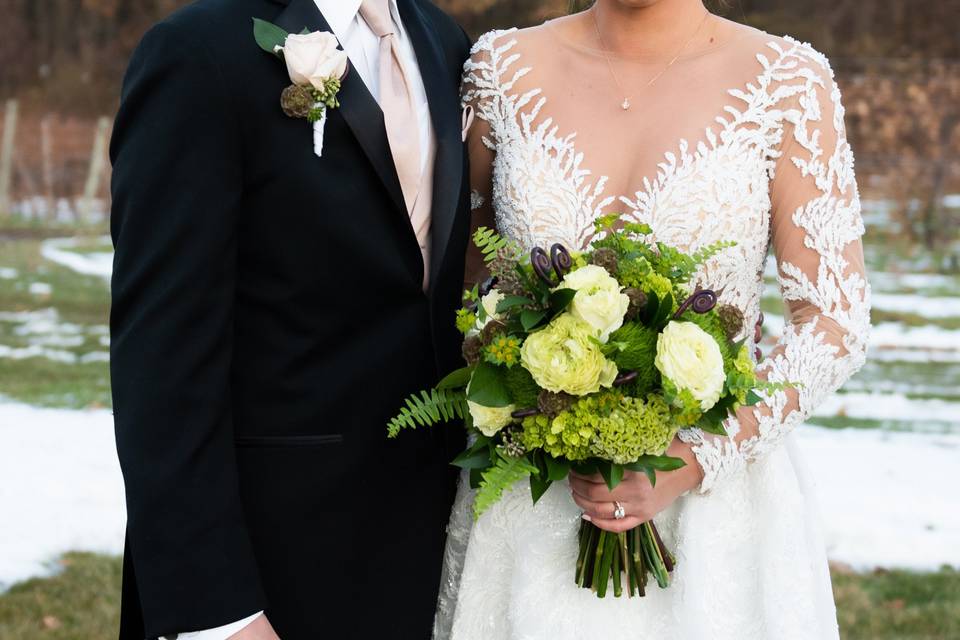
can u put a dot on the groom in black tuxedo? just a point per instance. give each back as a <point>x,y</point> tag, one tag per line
<point>270,313</point>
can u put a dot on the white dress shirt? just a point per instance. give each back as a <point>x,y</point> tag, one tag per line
<point>363,48</point>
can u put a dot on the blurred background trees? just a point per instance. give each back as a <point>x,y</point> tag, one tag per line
<point>898,62</point>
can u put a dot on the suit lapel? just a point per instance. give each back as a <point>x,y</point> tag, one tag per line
<point>445,115</point>
<point>357,106</point>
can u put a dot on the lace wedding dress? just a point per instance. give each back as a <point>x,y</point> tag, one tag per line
<point>743,141</point>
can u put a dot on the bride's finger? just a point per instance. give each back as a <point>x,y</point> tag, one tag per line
<point>617,526</point>
<point>600,510</point>
<point>596,492</point>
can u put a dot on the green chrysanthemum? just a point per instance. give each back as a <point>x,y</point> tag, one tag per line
<point>635,428</point>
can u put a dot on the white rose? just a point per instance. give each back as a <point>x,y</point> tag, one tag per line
<point>489,303</point>
<point>691,359</point>
<point>313,58</point>
<point>490,420</point>
<point>599,301</point>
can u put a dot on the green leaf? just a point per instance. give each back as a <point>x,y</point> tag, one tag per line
<point>530,318</point>
<point>512,301</point>
<point>660,463</point>
<point>457,379</point>
<point>664,310</point>
<point>268,36</point>
<point>557,469</point>
<point>639,467</point>
<point>561,299</point>
<point>539,481</point>
<point>650,309</point>
<point>612,473</point>
<point>476,477</point>
<point>753,398</point>
<point>473,458</point>
<point>487,387</point>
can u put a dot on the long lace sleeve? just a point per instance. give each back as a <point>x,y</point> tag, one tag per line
<point>815,234</point>
<point>479,94</point>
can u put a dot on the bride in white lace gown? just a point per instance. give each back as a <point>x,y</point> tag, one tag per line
<point>741,138</point>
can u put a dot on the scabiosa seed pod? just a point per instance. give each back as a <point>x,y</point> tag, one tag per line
<point>510,284</point>
<point>296,101</point>
<point>504,263</point>
<point>638,300</point>
<point>491,331</point>
<point>552,404</point>
<point>472,350</point>
<point>606,258</point>
<point>731,318</point>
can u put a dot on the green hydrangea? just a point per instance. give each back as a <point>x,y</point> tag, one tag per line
<point>633,272</point>
<point>655,283</point>
<point>567,436</point>
<point>633,347</point>
<point>635,428</point>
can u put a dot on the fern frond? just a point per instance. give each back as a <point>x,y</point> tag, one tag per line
<point>490,243</point>
<point>499,478</point>
<point>429,408</point>
<point>705,253</point>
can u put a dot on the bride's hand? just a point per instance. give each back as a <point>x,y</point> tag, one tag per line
<point>640,501</point>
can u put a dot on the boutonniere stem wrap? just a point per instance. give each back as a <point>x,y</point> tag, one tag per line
<point>316,66</point>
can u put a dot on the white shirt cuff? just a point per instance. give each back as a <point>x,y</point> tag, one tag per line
<point>220,633</point>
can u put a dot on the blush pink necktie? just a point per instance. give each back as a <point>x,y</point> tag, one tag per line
<point>396,100</point>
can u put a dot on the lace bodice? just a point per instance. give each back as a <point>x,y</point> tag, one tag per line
<point>744,143</point>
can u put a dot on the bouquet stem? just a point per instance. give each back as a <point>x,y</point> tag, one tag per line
<point>624,559</point>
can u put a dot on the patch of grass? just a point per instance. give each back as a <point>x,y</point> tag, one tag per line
<point>81,602</point>
<point>898,605</point>
<point>78,298</point>
<point>48,383</point>
<point>913,426</point>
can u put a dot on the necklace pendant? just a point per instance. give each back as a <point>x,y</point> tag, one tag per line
<point>626,104</point>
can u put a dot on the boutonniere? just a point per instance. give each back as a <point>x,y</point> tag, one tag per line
<point>316,66</point>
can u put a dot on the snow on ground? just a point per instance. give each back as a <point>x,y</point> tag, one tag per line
<point>44,332</point>
<point>884,496</point>
<point>926,306</point>
<point>92,264</point>
<point>891,335</point>
<point>891,406</point>
<point>60,487</point>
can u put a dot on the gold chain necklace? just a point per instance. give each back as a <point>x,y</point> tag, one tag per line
<point>603,47</point>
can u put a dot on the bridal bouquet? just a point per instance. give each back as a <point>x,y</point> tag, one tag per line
<point>589,362</point>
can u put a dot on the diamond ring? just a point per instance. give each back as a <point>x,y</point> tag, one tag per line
<point>618,511</point>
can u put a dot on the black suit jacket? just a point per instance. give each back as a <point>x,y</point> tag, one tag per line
<point>268,318</point>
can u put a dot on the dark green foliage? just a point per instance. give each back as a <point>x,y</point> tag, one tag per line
<point>634,348</point>
<point>522,387</point>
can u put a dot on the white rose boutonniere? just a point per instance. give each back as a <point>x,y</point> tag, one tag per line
<point>316,66</point>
